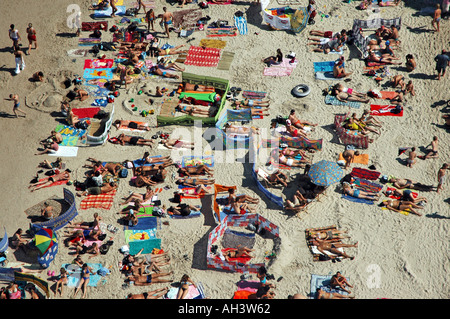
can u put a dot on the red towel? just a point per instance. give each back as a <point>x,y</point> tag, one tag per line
<point>203,56</point>
<point>104,201</point>
<point>98,63</point>
<point>86,112</point>
<point>365,173</point>
<point>242,260</point>
<point>384,110</point>
<point>92,26</point>
<point>398,197</point>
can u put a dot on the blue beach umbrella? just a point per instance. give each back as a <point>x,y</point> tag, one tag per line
<point>299,19</point>
<point>325,173</point>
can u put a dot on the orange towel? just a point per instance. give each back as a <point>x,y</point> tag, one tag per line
<point>357,159</point>
<point>388,95</point>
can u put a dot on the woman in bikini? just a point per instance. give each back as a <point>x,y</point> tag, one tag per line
<point>164,160</point>
<point>84,280</point>
<point>388,60</point>
<point>240,251</point>
<point>31,38</point>
<point>343,93</point>
<point>155,294</point>
<point>329,234</point>
<point>142,197</point>
<point>357,193</point>
<point>134,140</point>
<point>61,281</point>
<point>171,51</point>
<point>368,119</point>
<point>193,182</point>
<point>172,143</point>
<point>363,125</point>
<point>293,153</point>
<point>250,103</point>
<point>185,282</point>
<point>399,206</point>
<point>232,129</point>
<point>148,279</point>
<point>195,170</point>
<point>191,110</point>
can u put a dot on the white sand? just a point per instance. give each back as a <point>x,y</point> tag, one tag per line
<point>410,252</point>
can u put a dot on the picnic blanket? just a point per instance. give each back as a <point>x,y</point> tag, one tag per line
<point>241,25</point>
<point>285,68</point>
<point>357,159</point>
<point>92,26</point>
<point>188,161</point>
<point>226,31</point>
<point>332,100</point>
<point>89,41</point>
<point>103,201</point>
<point>384,110</point>
<point>108,11</point>
<point>199,56</point>
<point>98,74</point>
<point>74,274</point>
<point>225,60</point>
<point>98,63</point>
<point>213,43</point>
<point>65,151</point>
<point>323,282</point>
<point>365,173</point>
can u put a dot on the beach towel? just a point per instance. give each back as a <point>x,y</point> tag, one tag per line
<point>103,201</point>
<point>208,97</point>
<point>193,292</point>
<point>384,110</point>
<point>324,66</point>
<point>241,25</point>
<point>74,275</point>
<point>86,112</point>
<point>198,56</point>
<point>141,162</point>
<point>357,200</point>
<point>108,11</point>
<point>253,95</point>
<point>98,63</point>
<point>388,95</point>
<point>332,100</point>
<point>89,41</point>
<point>213,43</point>
<point>191,192</point>
<point>365,173</point>
<point>367,185</point>
<point>328,75</point>
<point>225,60</point>
<point>126,128</point>
<point>65,151</point>
<point>186,19</point>
<point>189,161</point>
<point>283,69</point>
<point>144,223</point>
<point>92,26</point>
<point>70,134</point>
<point>148,245</point>
<point>357,159</point>
<point>229,31</point>
<point>135,235</point>
<point>323,282</point>
<point>78,53</point>
<point>98,74</point>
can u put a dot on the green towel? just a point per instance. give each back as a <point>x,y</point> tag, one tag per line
<point>200,96</point>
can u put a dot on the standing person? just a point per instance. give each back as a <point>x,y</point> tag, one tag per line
<point>14,35</point>
<point>141,5</point>
<point>442,61</point>
<point>411,160</point>
<point>441,177</point>
<point>18,55</point>
<point>150,17</point>
<point>166,19</point>
<point>31,38</point>
<point>15,99</point>
<point>436,18</point>
<point>113,7</point>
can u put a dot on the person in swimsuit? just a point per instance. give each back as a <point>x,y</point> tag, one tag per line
<point>14,35</point>
<point>405,195</point>
<point>148,279</point>
<point>142,197</point>
<point>191,110</point>
<point>436,18</point>
<point>233,129</point>
<point>388,60</point>
<point>134,140</point>
<point>433,153</point>
<point>193,182</point>
<point>441,177</point>
<point>329,234</point>
<point>401,183</point>
<point>16,105</point>
<point>340,282</point>
<point>150,18</point>
<point>357,193</point>
<point>154,294</point>
<point>399,206</point>
<point>295,121</point>
<point>294,132</point>
<point>172,143</point>
<point>339,70</point>
<point>323,246</point>
<point>331,295</point>
<point>344,94</point>
<point>84,280</point>
<point>184,286</point>
<point>195,170</point>
<point>274,60</point>
<point>293,153</point>
<point>131,124</point>
<point>240,251</point>
<point>157,71</point>
<point>250,103</point>
<point>113,7</point>
<point>31,35</point>
<point>61,281</point>
<point>47,181</point>
<point>86,225</point>
<point>166,20</point>
<point>367,119</point>
<point>95,190</point>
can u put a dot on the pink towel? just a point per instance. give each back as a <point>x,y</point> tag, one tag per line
<point>283,69</point>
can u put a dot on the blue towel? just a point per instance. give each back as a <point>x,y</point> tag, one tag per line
<point>193,214</point>
<point>140,162</point>
<point>358,200</point>
<point>324,66</point>
<point>241,24</point>
<point>328,75</point>
<point>144,223</point>
<point>74,276</point>
<point>318,281</point>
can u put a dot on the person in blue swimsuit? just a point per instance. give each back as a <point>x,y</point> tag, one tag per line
<point>15,99</point>
<point>166,19</point>
<point>357,193</point>
<point>84,280</point>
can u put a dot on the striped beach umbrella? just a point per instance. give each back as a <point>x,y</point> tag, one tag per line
<point>44,239</point>
<point>325,173</point>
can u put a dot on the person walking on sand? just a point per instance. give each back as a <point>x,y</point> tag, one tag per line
<point>166,19</point>
<point>18,56</point>
<point>436,18</point>
<point>14,35</point>
<point>113,7</point>
<point>15,99</point>
<point>442,61</point>
<point>31,38</point>
<point>441,177</point>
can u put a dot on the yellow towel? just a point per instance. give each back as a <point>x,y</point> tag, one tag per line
<point>357,159</point>
<point>213,43</point>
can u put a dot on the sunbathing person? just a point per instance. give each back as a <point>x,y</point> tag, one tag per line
<point>191,110</point>
<point>295,121</point>
<point>142,197</point>
<point>357,193</point>
<point>398,80</point>
<point>241,198</point>
<point>50,147</point>
<point>293,153</point>
<point>236,206</point>
<point>154,294</point>
<point>161,160</point>
<point>298,202</point>
<point>331,295</point>
<point>399,206</point>
<point>330,234</point>
<point>388,60</point>
<point>402,183</point>
<point>254,111</point>
<point>278,178</point>
<point>410,63</point>
<point>382,3</point>
<point>344,94</point>
<point>240,251</point>
<point>145,280</point>
<point>294,132</point>
<point>71,118</point>
<point>172,143</point>
<point>193,182</point>
<point>182,209</point>
<point>196,87</point>
<point>368,119</point>
<point>170,51</point>
<point>63,176</point>
<point>134,140</point>
<point>353,124</point>
<point>233,129</point>
<point>157,71</point>
<point>38,76</point>
<point>250,103</point>
<point>86,225</point>
<point>192,101</point>
<point>102,5</point>
<point>167,64</point>
<point>47,211</point>
<point>131,124</point>
<point>328,45</point>
<point>405,195</point>
<point>195,170</point>
<point>141,181</point>
<point>363,124</point>
<point>339,70</point>
<point>274,60</point>
<point>99,190</point>
<point>52,165</point>
<point>323,246</point>
<point>322,34</point>
<point>92,234</point>
<point>151,170</point>
<point>291,161</point>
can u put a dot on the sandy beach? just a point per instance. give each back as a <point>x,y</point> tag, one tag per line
<point>398,256</point>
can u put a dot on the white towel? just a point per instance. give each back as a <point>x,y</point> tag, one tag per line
<point>65,151</point>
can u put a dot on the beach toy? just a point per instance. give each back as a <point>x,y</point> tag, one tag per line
<point>134,108</point>
<point>151,112</point>
<point>140,92</point>
<point>131,100</point>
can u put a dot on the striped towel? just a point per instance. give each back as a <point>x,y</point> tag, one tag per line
<point>365,173</point>
<point>332,100</point>
<point>241,24</point>
<point>104,201</point>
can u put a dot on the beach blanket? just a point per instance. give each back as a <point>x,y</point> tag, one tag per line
<point>193,292</point>
<point>283,69</point>
<point>92,26</point>
<point>384,110</point>
<point>253,95</point>
<point>89,41</point>
<point>225,60</point>
<point>323,282</point>
<point>135,235</point>
<point>208,97</point>
<point>86,112</point>
<point>357,200</point>
<point>186,19</point>
<point>357,159</point>
<point>324,66</point>
<point>189,161</point>
<point>403,212</point>
<point>241,25</point>
<point>332,100</point>
<point>229,31</point>
<point>65,151</point>
<point>108,11</point>
<point>98,63</point>
<point>193,214</point>
<point>190,192</point>
<point>141,162</point>
<point>198,56</point>
<point>148,245</point>
<point>74,274</point>
<point>70,134</point>
<point>367,185</point>
<point>98,74</point>
<point>213,43</point>
<point>78,53</point>
<point>103,201</point>
<point>144,223</point>
<point>347,137</point>
<point>365,173</point>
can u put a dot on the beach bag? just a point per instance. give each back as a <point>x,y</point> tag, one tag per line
<point>123,173</point>
<point>158,212</point>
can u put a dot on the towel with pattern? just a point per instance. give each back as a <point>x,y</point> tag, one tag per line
<point>103,201</point>
<point>332,100</point>
<point>98,63</point>
<point>384,110</point>
<point>199,56</point>
<point>365,173</point>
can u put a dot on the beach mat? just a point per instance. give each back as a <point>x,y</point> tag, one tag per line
<point>384,110</point>
<point>198,56</point>
<point>241,25</point>
<point>230,31</point>
<point>403,212</point>
<point>192,214</point>
<point>358,200</point>
<point>103,201</point>
<point>89,41</point>
<point>324,66</point>
<point>132,235</point>
<point>357,159</point>
<point>74,275</point>
<point>98,63</point>
<point>332,100</point>
<point>92,26</point>
<point>193,292</point>
<point>365,173</point>
<point>186,19</point>
<point>148,245</point>
<point>189,161</point>
<point>213,43</point>
<point>283,69</point>
<point>225,60</point>
<point>65,151</point>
